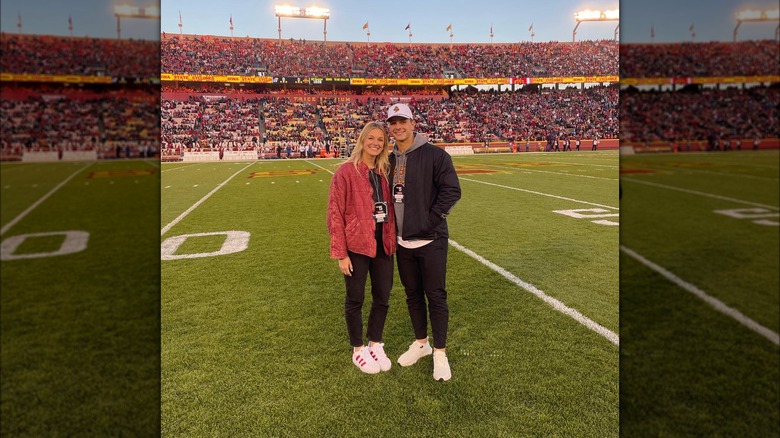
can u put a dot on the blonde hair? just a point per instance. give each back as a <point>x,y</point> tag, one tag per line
<point>383,159</point>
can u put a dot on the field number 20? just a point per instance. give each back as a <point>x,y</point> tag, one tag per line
<point>591,213</point>
<point>760,216</point>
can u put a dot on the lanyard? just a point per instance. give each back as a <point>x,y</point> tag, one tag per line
<point>376,182</point>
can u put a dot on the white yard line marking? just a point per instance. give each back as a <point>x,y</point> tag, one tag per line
<point>153,163</point>
<point>203,199</point>
<point>555,303</point>
<point>180,167</point>
<point>40,201</point>
<point>585,164</point>
<point>548,171</point>
<point>689,171</point>
<point>714,302</point>
<point>695,192</point>
<point>315,164</point>
<point>538,193</point>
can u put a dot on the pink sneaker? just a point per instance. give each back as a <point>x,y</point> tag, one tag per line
<point>377,351</point>
<point>363,360</point>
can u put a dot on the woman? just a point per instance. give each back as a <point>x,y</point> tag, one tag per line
<point>361,224</point>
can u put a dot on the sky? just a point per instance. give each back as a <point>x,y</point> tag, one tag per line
<point>713,20</point>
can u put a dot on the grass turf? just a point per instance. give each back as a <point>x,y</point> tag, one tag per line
<point>255,342</point>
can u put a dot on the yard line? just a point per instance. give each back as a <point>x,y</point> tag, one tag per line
<point>38,202</point>
<point>538,193</point>
<point>153,163</point>
<point>696,192</point>
<point>203,199</point>
<point>714,302</point>
<point>711,172</point>
<point>548,171</point>
<point>585,164</point>
<point>555,303</point>
<point>180,167</point>
<point>326,170</point>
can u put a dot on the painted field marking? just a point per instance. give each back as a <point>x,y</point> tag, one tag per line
<point>696,192</point>
<point>539,193</point>
<point>235,241</point>
<point>40,201</point>
<point>554,302</point>
<point>712,301</point>
<point>554,173</point>
<point>690,171</point>
<point>591,213</point>
<point>203,199</point>
<point>315,164</point>
<point>180,167</point>
<point>762,215</point>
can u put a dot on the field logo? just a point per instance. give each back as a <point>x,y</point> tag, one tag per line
<point>235,241</point>
<point>591,213</point>
<point>75,241</point>
<point>762,215</point>
<point>113,173</point>
<point>473,169</point>
<point>273,173</point>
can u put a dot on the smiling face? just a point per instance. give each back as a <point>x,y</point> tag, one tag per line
<point>373,144</point>
<point>401,129</point>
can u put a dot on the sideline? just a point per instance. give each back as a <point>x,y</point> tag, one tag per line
<point>720,306</point>
<point>539,193</point>
<point>203,199</point>
<point>40,201</point>
<point>555,303</point>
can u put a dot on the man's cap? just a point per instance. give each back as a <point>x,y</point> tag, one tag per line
<point>399,110</point>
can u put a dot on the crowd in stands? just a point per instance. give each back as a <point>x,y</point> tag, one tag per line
<point>652,116</point>
<point>116,122</point>
<point>205,122</point>
<point>745,58</point>
<point>58,55</point>
<point>250,56</point>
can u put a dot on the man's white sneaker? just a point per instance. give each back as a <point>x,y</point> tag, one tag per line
<point>363,360</point>
<point>414,353</point>
<point>377,351</point>
<point>441,366</point>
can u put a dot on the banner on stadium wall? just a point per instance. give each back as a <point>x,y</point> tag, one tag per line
<point>700,80</point>
<point>328,81</point>
<point>564,80</point>
<point>71,79</point>
<point>429,81</point>
<point>216,78</point>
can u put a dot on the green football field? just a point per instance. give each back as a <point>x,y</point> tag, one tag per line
<point>699,301</point>
<point>80,299</point>
<point>253,336</point>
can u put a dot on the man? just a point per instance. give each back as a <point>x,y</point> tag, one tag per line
<point>425,188</point>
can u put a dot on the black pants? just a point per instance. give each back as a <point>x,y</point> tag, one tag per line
<point>422,272</point>
<point>381,270</point>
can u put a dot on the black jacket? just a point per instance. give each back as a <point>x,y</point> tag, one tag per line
<point>432,189</point>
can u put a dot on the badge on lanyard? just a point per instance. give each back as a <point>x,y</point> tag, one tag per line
<point>398,193</point>
<point>380,212</point>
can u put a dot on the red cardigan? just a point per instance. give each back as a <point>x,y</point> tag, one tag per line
<point>350,213</point>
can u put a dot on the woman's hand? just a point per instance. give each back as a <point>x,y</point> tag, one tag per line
<point>345,265</point>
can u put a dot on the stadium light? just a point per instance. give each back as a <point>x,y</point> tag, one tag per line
<point>590,15</point>
<point>151,12</point>
<point>749,15</point>
<point>308,12</point>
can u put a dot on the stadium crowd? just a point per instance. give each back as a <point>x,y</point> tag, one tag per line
<point>250,56</point>
<point>708,114</point>
<point>208,122</point>
<point>715,58</point>
<point>57,55</point>
<point>117,122</point>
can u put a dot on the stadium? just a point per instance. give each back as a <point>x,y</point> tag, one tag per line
<point>233,314</point>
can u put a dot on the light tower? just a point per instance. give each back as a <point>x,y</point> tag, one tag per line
<point>751,15</point>
<point>589,15</point>
<point>309,12</point>
<point>151,12</point>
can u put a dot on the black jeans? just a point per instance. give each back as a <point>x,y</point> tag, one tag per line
<point>423,273</point>
<point>381,270</point>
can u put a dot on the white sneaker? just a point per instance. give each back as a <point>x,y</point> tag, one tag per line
<point>363,360</point>
<point>377,351</point>
<point>414,353</point>
<point>441,366</point>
